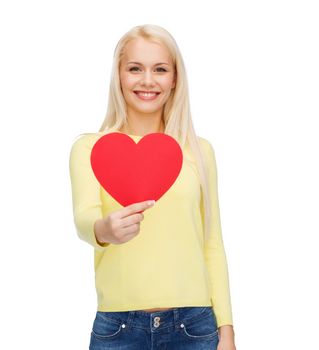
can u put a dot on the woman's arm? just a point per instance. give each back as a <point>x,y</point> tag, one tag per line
<point>87,206</point>
<point>216,262</point>
<point>215,256</point>
<point>227,336</point>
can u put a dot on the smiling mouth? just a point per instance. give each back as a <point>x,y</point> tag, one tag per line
<point>146,95</point>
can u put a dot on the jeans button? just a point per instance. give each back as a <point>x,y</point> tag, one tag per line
<point>156,321</point>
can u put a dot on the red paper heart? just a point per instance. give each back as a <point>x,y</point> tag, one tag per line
<point>134,172</point>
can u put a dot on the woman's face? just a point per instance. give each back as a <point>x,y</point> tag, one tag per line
<point>146,67</point>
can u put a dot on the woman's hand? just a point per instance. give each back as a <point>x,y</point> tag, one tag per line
<point>226,338</point>
<point>122,225</point>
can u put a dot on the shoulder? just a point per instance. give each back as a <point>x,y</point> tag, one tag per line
<point>206,146</point>
<point>208,154</point>
<point>84,141</point>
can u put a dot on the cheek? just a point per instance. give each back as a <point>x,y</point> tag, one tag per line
<point>127,81</point>
<point>167,83</point>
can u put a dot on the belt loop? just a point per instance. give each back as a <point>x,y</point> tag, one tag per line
<point>130,319</point>
<point>176,317</point>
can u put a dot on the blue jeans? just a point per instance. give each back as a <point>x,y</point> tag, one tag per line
<point>181,328</point>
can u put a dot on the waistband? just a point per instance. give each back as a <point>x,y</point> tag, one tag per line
<point>157,320</point>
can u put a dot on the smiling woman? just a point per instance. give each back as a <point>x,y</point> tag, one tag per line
<point>161,276</point>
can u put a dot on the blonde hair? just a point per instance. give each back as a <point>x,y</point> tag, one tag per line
<point>176,114</point>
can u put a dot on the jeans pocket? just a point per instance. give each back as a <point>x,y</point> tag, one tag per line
<point>106,326</point>
<point>200,328</point>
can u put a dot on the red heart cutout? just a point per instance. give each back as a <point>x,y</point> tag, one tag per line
<point>134,172</point>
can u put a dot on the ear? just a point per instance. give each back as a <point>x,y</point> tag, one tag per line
<point>174,81</point>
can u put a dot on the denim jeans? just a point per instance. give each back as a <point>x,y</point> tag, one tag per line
<point>181,328</point>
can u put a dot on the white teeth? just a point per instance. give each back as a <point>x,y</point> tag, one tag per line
<point>148,94</point>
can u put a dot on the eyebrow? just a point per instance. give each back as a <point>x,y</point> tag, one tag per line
<point>155,64</point>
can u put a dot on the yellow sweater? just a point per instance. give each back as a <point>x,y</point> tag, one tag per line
<point>167,264</point>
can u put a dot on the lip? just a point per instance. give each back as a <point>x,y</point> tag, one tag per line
<point>144,98</point>
<point>156,92</point>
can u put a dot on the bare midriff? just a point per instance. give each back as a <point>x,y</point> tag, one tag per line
<point>159,309</point>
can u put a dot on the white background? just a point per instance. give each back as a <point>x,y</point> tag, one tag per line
<point>253,77</point>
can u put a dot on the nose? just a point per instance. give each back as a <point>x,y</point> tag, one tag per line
<point>147,78</point>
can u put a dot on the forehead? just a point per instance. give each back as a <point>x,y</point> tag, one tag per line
<point>146,52</point>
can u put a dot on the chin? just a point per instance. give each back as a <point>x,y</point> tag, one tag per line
<point>147,110</point>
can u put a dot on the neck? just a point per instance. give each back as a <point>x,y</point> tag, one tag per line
<point>139,124</point>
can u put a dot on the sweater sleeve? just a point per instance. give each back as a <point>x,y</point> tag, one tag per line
<point>215,257</point>
<point>86,200</point>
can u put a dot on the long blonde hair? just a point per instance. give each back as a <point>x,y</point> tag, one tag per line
<point>176,114</point>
